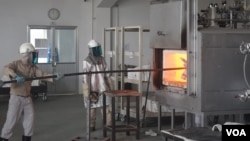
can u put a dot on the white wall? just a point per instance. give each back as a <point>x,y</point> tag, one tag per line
<point>133,13</point>
<point>17,14</point>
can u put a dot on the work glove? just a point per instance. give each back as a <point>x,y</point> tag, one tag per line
<point>59,76</point>
<point>19,79</point>
<point>1,83</point>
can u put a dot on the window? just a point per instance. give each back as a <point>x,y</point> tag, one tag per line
<point>39,38</point>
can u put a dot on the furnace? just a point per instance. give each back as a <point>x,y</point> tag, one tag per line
<point>213,62</point>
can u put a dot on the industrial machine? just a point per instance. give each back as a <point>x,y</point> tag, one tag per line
<point>214,78</point>
<point>230,13</point>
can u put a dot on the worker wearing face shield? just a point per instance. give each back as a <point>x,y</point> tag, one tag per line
<point>20,102</point>
<point>97,83</point>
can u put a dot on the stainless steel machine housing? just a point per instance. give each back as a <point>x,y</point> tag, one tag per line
<point>215,71</point>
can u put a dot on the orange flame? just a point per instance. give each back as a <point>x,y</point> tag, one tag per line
<point>176,59</point>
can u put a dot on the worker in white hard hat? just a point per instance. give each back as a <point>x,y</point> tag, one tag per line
<point>20,102</point>
<point>99,82</point>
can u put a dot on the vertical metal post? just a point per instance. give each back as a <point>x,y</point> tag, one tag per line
<point>145,105</point>
<point>173,119</point>
<point>186,120</point>
<point>104,116</point>
<point>192,45</point>
<point>140,30</point>
<point>138,117</point>
<point>52,54</point>
<point>53,49</point>
<point>116,51</point>
<point>122,57</point>
<point>159,117</point>
<point>104,43</point>
<point>122,63</point>
<point>231,18</point>
<point>128,112</point>
<point>113,119</point>
<point>88,110</point>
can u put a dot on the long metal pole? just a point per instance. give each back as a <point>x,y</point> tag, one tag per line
<point>83,73</point>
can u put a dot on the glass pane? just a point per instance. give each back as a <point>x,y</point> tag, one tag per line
<point>65,45</point>
<point>40,39</point>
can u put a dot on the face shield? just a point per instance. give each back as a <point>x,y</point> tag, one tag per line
<point>30,57</point>
<point>35,57</point>
<point>96,51</point>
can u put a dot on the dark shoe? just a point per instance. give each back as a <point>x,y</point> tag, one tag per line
<point>26,138</point>
<point>92,128</point>
<point>2,139</point>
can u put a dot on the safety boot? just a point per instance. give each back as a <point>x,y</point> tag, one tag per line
<point>26,138</point>
<point>3,139</point>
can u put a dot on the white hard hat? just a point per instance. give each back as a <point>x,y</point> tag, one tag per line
<point>93,43</point>
<point>26,47</point>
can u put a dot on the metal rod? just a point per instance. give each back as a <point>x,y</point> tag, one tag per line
<point>117,71</point>
<point>146,99</point>
<point>30,79</point>
<point>83,73</point>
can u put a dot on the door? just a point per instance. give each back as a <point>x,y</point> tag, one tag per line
<point>168,30</point>
<point>57,48</point>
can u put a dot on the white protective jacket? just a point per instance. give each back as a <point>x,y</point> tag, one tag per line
<point>98,82</point>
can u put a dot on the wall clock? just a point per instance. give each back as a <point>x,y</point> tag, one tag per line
<point>53,14</point>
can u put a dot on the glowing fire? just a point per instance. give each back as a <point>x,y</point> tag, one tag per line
<point>175,59</point>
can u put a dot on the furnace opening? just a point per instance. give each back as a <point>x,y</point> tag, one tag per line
<point>175,59</point>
